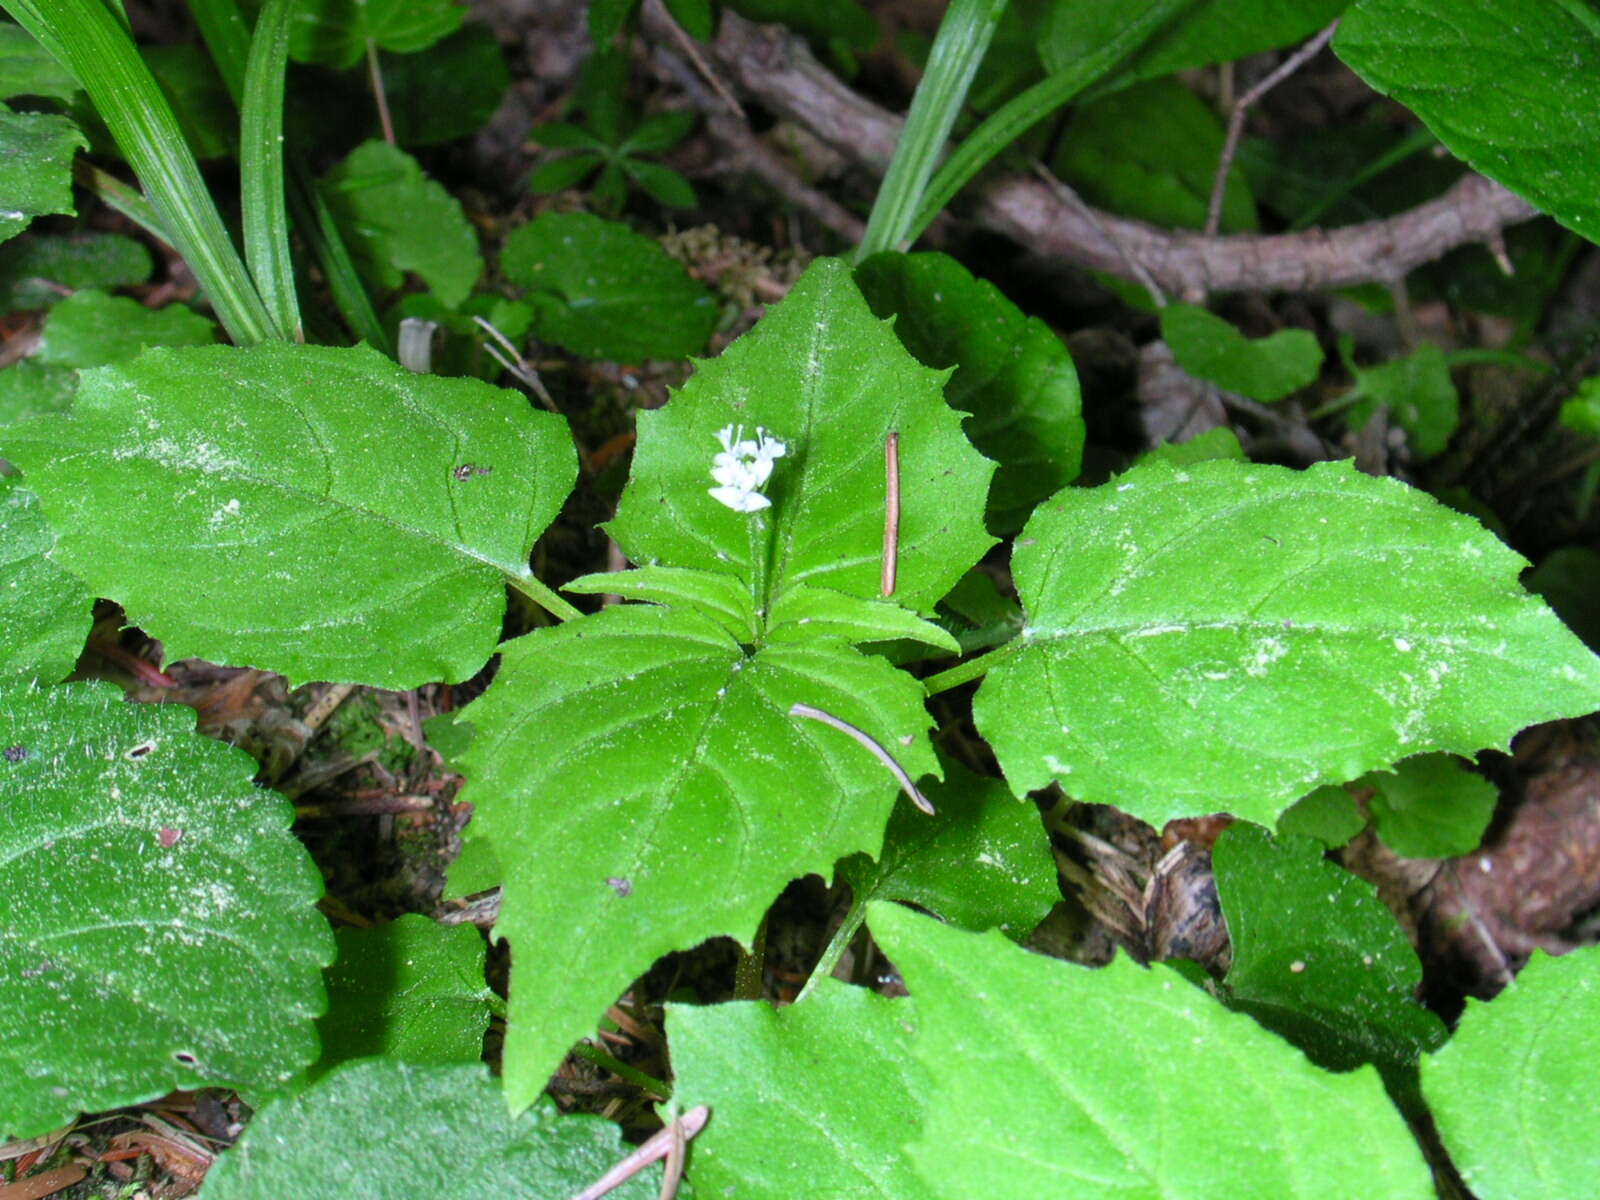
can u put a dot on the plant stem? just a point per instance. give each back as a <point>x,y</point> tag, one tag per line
<point>971,669</point>
<point>837,945</point>
<point>622,1070</point>
<point>1337,404</point>
<point>545,597</point>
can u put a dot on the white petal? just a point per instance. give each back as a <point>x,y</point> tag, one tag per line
<point>739,499</point>
<point>728,470</point>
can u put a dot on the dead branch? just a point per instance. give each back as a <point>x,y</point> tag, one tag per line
<point>745,151</point>
<point>777,69</point>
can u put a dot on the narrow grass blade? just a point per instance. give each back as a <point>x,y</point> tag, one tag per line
<point>228,38</point>
<point>1023,111</point>
<point>958,48</point>
<point>266,215</point>
<point>85,36</point>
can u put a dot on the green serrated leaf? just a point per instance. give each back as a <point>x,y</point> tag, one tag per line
<point>1511,86</point>
<point>1317,957</point>
<point>28,69</point>
<point>306,1145</point>
<point>1418,394</point>
<point>603,291</point>
<point>1328,814</point>
<point>36,152</point>
<point>1151,151</point>
<point>820,372</point>
<point>148,887</point>
<point>41,270</point>
<point>1012,373</point>
<point>1430,806</point>
<point>715,595</point>
<point>645,788</point>
<point>1513,1090</point>
<point>476,869</point>
<point>1230,636</point>
<point>1211,31</point>
<point>1025,1097</point>
<point>983,862</point>
<point>410,990</point>
<point>1266,368</point>
<point>448,91</point>
<point>396,219</point>
<point>268,538</point>
<point>826,1092</point>
<point>29,388</point>
<point>90,329</point>
<point>44,610</point>
<point>804,612</point>
<point>1219,443</point>
<point>334,33</point>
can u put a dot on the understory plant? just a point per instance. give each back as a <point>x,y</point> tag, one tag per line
<point>860,514</point>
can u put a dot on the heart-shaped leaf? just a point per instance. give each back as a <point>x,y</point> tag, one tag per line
<point>315,511</point>
<point>1228,636</point>
<point>831,381</point>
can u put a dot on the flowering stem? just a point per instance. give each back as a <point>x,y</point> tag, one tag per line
<point>758,567</point>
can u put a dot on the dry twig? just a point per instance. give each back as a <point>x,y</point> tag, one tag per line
<point>774,67</point>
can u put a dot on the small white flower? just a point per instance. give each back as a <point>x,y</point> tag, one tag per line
<point>743,468</point>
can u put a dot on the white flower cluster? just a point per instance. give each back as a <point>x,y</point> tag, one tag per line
<point>743,468</point>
